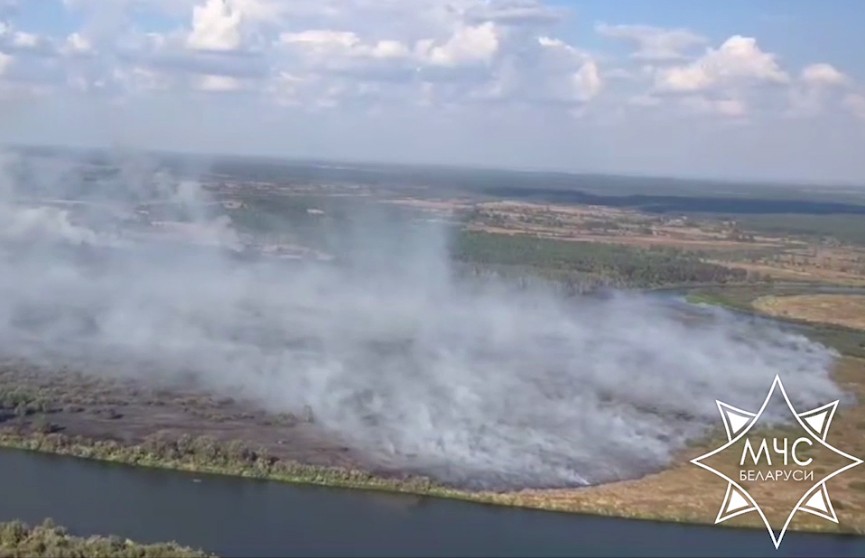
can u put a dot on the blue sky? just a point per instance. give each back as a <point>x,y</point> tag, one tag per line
<point>735,89</point>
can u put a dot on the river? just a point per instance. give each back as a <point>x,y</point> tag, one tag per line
<point>242,517</point>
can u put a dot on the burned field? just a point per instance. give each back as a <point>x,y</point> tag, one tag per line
<point>176,427</point>
<point>36,400</point>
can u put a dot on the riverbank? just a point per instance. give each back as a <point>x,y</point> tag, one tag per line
<point>668,496</point>
<point>824,329</point>
<point>204,456</point>
<point>230,516</point>
<point>19,540</point>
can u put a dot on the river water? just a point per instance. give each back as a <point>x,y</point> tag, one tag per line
<point>242,517</point>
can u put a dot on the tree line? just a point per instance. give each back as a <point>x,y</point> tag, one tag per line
<point>624,265</point>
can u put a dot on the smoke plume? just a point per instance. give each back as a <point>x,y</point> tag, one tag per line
<point>472,382</point>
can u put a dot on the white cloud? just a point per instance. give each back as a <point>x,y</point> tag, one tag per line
<point>580,69</point>
<point>286,89</point>
<point>561,50</point>
<point>77,44</point>
<point>335,55</point>
<point>741,82</point>
<point>739,60</point>
<point>217,83</point>
<point>468,44</point>
<point>138,79</point>
<point>620,74</point>
<point>730,107</point>
<point>653,43</point>
<point>216,26</point>
<point>820,86</point>
<point>587,81</point>
<point>262,10</point>
<point>822,75</point>
<point>516,12</point>
<point>644,101</point>
<point>14,41</point>
<point>363,52</point>
<point>324,43</point>
<point>25,40</point>
<point>467,62</point>
<point>545,72</point>
<point>389,49</point>
<point>726,107</point>
<point>855,103</point>
<point>5,62</point>
<point>322,38</point>
<point>805,102</point>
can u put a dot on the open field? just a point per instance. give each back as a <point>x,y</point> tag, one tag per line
<point>614,226</point>
<point>837,309</point>
<point>815,262</point>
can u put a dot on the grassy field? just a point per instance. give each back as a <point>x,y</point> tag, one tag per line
<point>846,340</point>
<point>833,309</point>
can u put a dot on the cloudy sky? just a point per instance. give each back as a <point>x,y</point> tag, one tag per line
<point>736,89</point>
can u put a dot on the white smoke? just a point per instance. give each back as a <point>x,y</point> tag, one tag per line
<point>472,382</point>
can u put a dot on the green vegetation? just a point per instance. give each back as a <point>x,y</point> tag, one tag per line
<point>20,402</point>
<point>724,299</point>
<point>19,540</point>
<point>205,454</point>
<point>846,341</point>
<point>846,228</point>
<point>628,266</point>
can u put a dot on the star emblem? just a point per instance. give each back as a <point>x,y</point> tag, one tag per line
<point>815,423</point>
